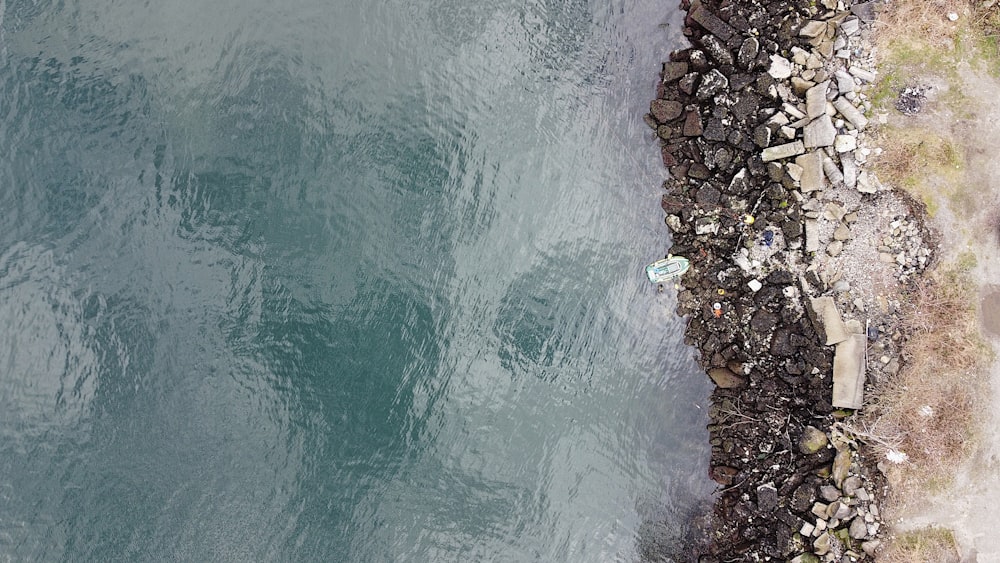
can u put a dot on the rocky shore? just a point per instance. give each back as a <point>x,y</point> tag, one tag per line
<point>799,256</point>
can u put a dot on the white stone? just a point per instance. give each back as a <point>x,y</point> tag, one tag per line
<point>781,68</point>
<point>845,143</point>
<point>754,285</point>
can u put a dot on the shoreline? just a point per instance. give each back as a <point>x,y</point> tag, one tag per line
<point>798,255</point>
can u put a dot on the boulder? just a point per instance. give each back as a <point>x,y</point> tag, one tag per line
<point>725,379</point>
<point>674,71</point>
<point>665,110</point>
<point>710,21</point>
<point>813,440</point>
<point>692,124</point>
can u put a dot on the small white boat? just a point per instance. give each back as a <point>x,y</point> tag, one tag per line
<point>667,269</point>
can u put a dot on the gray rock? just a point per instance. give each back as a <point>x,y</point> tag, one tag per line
<point>816,100</point>
<point>829,493</point>
<point>832,172</point>
<point>870,547</point>
<point>840,511</point>
<point>822,544</point>
<point>783,151</point>
<point>819,133</point>
<point>843,232</point>
<point>767,498</point>
<point>813,29</point>
<point>845,82</point>
<point>706,226</point>
<point>834,212</point>
<point>688,83</point>
<point>717,50</point>
<point>850,170</point>
<point>748,52</point>
<point>675,224</point>
<point>711,84</point>
<point>709,21</point>
<point>841,465</point>
<point>820,509</point>
<point>858,529</point>
<point>862,74</point>
<point>835,248</point>
<point>851,485</point>
<point>812,171</point>
<point>801,86</point>
<point>845,143</point>
<point>813,440</point>
<point>850,26</point>
<point>762,136</point>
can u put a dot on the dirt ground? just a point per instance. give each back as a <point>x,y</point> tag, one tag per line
<point>967,219</point>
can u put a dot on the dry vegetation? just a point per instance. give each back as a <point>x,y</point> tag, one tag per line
<point>931,409</point>
<point>930,545</point>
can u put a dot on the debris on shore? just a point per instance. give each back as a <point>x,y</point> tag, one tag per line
<point>798,255</point>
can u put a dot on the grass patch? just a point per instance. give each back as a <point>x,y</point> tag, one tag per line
<point>930,545</point>
<point>926,163</point>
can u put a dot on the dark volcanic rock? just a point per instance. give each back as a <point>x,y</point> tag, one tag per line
<point>707,195</point>
<point>781,342</point>
<point>763,321</point>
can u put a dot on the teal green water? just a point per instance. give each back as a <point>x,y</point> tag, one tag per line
<point>338,282</point>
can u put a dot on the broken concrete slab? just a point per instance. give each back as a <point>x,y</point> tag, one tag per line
<point>851,113</point>
<point>816,99</point>
<point>819,133</point>
<point>850,170</point>
<point>782,151</point>
<point>833,325</point>
<point>811,178</point>
<point>812,235</point>
<point>849,372</point>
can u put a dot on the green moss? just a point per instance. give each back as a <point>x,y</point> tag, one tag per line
<point>928,538</point>
<point>966,262</point>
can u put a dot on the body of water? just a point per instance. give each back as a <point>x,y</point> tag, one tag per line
<point>337,281</point>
